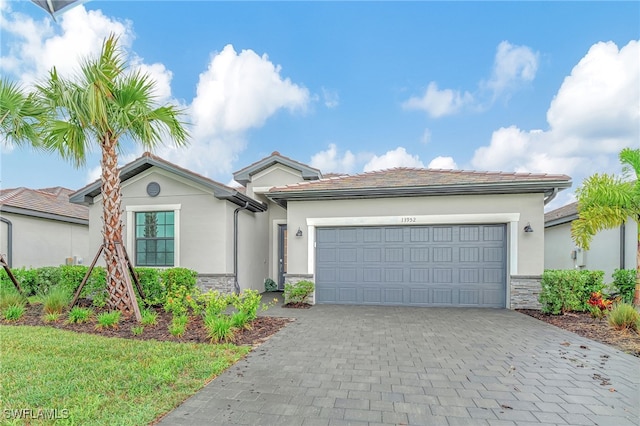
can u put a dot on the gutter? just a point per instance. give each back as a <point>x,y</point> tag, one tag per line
<point>9,240</point>
<point>236,286</point>
<point>551,196</point>
<point>622,246</point>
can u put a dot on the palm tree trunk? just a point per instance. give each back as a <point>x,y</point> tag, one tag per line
<point>119,297</point>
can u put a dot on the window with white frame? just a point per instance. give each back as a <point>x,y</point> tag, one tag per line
<point>153,235</point>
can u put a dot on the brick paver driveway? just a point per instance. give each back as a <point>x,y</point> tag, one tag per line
<point>338,365</point>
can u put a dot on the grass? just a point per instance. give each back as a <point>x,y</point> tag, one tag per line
<point>624,316</point>
<point>10,297</point>
<point>55,300</point>
<point>100,380</point>
<point>108,319</point>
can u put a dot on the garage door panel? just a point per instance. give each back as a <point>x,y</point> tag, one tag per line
<point>372,295</point>
<point>469,297</point>
<point>372,275</point>
<point>457,265</point>
<point>419,275</point>
<point>393,296</point>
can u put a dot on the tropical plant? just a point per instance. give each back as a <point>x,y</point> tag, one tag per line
<point>9,296</point>
<point>219,328</point>
<point>20,115</point>
<point>606,201</point>
<point>101,105</point>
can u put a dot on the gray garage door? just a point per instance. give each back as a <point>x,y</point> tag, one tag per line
<point>457,265</point>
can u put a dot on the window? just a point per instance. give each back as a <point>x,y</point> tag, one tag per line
<point>155,238</point>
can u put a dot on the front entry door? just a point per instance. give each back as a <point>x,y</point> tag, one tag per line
<point>282,255</point>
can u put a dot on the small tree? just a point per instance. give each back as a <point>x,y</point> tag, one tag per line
<point>607,201</point>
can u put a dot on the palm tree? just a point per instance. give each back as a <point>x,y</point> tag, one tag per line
<point>20,114</point>
<point>99,106</point>
<point>607,201</point>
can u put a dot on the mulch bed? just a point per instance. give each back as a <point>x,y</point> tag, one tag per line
<point>599,330</point>
<point>261,328</point>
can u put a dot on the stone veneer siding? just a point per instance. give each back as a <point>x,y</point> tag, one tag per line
<point>220,282</point>
<point>525,290</point>
<point>295,278</point>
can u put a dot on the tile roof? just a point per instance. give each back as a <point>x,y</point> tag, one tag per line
<point>52,201</point>
<point>413,177</point>
<point>568,212</point>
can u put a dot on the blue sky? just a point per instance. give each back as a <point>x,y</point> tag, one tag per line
<point>551,87</point>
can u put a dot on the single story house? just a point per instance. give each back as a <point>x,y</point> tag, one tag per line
<point>609,250</point>
<point>40,227</point>
<point>403,236</point>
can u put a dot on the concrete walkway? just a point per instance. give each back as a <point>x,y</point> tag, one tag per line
<point>356,365</point>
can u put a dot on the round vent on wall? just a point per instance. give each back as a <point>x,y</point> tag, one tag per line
<point>153,189</point>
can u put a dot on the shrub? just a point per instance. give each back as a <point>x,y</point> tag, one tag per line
<point>55,300</point>
<point>108,319</point>
<point>299,292</point>
<point>624,316</point>
<point>148,317</point>
<point>27,278</point>
<point>137,330</point>
<point>214,302</point>
<point>568,290</point>
<point>270,285</point>
<point>178,325</point>
<point>247,302</point>
<point>13,312</point>
<point>79,315</point>
<point>155,292</point>
<point>592,283</point>
<point>219,328</point>
<point>180,299</point>
<point>177,277</point>
<point>624,283</point>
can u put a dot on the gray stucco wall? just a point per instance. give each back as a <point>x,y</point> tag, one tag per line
<point>44,242</point>
<point>204,227</point>
<point>603,253</point>
<point>527,250</point>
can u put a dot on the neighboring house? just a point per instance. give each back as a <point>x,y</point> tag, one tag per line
<point>609,250</point>
<point>416,237</point>
<point>42,228</point>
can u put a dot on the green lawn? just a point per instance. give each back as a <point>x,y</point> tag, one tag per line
<point>93,380</point>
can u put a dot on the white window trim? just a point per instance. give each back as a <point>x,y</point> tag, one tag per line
<point>130,228</point>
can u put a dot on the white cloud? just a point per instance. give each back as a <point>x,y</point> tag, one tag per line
<point>399,157</point>
<point>513,66</point>
<point>594,114</point>
<point>426,136</point>
<point>35,46</point>
<point>438,103</point>
<point>446,163</point>
<point>330,161</point>
<point>238,92</point>
<point>331,98</point>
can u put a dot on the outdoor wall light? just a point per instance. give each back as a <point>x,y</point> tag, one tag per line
<point>528,228</point>
<point>299,232</point>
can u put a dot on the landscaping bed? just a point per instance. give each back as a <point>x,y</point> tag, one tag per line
<point>583,324</point>
<point>260,329</point>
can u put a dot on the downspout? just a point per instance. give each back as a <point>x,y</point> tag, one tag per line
<point>236,286</point>
<point>623,252</point>
<point>551,196</point>
<point>9,240</point>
